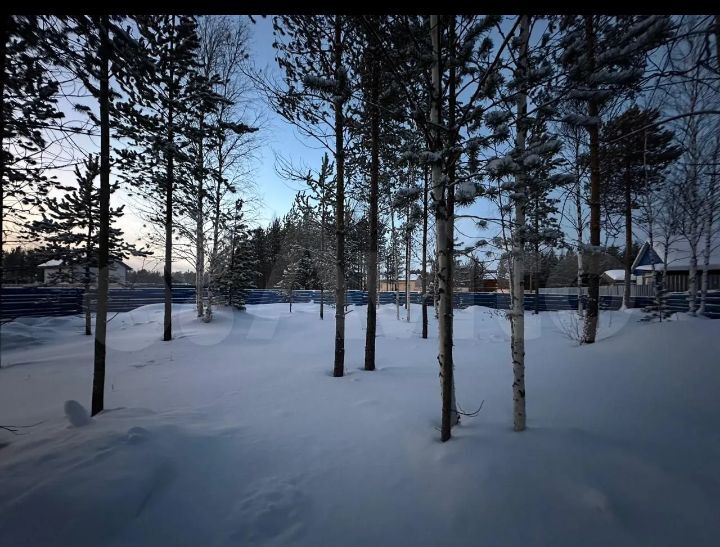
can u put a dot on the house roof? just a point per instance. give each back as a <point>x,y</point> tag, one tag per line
<point>50,264</point>
<point>678,255</point>
<point>54,263</point>
<point>617,275</point>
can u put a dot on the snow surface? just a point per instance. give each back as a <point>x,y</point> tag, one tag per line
<point>235,433</point>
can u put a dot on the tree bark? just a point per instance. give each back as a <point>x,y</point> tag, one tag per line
<point>578,213</point>
<point>408,235</point>
<point>169,176</point>
<point>322,256</point>
<point>424,255</point>
<point>593,307</point>
<point>4,31</point>
<point>199,235</point>
<point>628,243</point>
<point>536,266</point>
<point>444,244</point>
<point>692,278</point>
<point>339,365</point>
<point>98,388</point>
<point>517,314</point>
<point>709,221</point>
<point>88,259</point>
<point>395,262</point>
<point>371,330</point>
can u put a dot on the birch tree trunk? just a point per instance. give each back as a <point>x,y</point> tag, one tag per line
<point>199,235</point>
<point>4,30</point>
<point>436,295</point>
<point>212,273</point>
<point>517,313</point>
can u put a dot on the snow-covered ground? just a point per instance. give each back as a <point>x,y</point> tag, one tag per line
<point>236,434</point>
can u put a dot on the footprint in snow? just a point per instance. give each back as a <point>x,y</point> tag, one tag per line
<point>275,509</point>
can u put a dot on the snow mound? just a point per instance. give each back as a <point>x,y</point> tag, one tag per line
<point>76,414</point>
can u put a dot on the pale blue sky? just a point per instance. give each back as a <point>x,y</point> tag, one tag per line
<point>280,136</point>
<point>277,137</point>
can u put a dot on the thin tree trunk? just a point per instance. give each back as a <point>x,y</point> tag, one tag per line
<point>709,221</point>
<point>408,235</point>
<point>199,235</point>
<point>692,277</point>
<point>170,172</point>
<point>4,32</point>
<point>371,330</point>
<point>98,388</point>
<point>322,257</point>
<point>517,314</point>
<point>578,211</point>
<point>88,261</point>
<point>536,266</point>
<point>443,234</point>
<point>450,197</point>
<point>628,245</point>
<point>86,284</point>
<point>212,273</point>
<point>424,255</point>
<point>339,365</point>
<point>593,308</point>
<point>395,262</point>
<point>88,312</point>
<point>436,284</point>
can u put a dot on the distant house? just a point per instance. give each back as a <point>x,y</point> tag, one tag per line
<point>615,277</point>
<point>388,285</point>
<point>485,285</point>
<point>55,273</point>
<point>678,264</point>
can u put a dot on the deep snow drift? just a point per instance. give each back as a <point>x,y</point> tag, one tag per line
<point>235,434</point>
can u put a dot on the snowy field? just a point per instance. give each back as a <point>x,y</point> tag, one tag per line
<point>236,434</point>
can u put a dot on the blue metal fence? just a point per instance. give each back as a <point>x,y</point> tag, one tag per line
<point>53,301</point>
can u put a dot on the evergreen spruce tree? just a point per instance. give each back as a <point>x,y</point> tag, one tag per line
<point>631,162</point>
<point>313,52</point>
<point>237,263</point>
<point>157,118</point>
<point>69,230</point>
<point>605,58</point>
<point>28,106</point>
